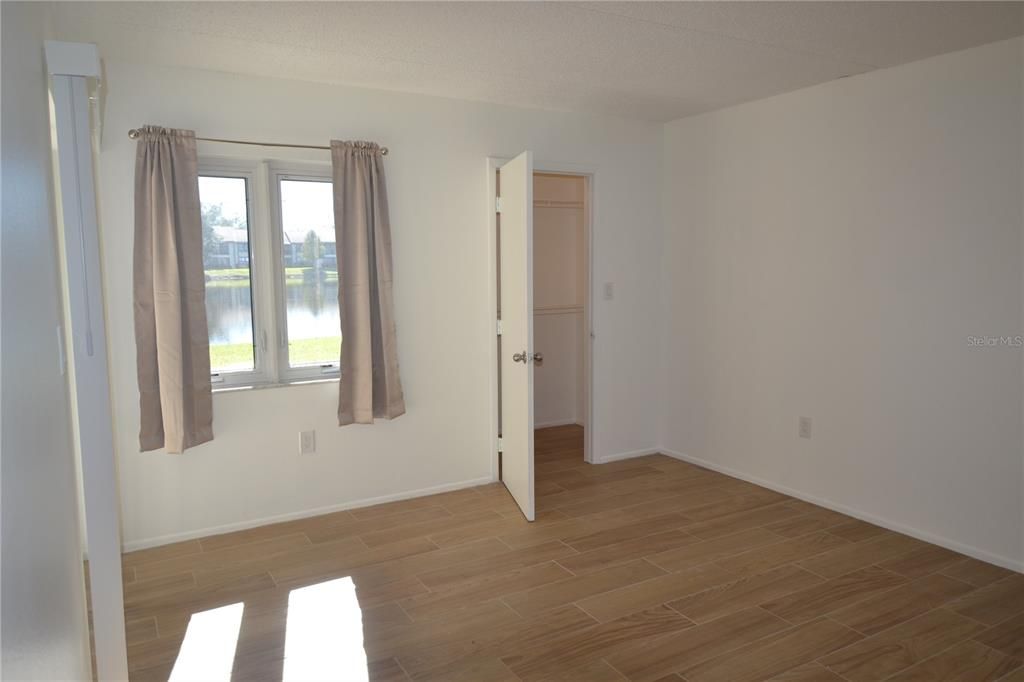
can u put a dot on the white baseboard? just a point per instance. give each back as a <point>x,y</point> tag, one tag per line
<point>616,456</point>
<point>291,516</point>
<point>967,550</point>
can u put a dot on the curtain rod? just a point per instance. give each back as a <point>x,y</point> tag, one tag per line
<point>135,132</point>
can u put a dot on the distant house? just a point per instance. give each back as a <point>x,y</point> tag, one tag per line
<point>294,238</point>
<point>231,247</point>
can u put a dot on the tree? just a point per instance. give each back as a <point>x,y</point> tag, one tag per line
<point>213,214</point>
<point>312,249</point>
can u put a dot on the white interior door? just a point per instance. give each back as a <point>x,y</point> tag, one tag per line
<point>515,234</point>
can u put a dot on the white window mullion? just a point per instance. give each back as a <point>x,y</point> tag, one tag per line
<point>262,372</point>
<point>280,313</point>
<point>265,278</point>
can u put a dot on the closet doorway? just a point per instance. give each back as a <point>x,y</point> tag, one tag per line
<point>542,253</point>
<point>560,329</point>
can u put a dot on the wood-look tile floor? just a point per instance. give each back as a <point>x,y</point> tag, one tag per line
<point>643,569</point>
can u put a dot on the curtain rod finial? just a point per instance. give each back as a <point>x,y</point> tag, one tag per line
<point>134,133</point>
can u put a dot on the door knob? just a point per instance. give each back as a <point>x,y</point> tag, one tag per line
<point>520,357</point>
<point>538,358</point>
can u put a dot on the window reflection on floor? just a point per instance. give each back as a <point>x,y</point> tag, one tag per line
<point>324,634</point>
<point>322,631</point>
<point>208,650</point>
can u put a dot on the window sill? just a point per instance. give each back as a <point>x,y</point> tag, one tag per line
<point>235,388</point>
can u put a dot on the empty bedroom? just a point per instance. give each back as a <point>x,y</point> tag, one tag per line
<point>512,341</point>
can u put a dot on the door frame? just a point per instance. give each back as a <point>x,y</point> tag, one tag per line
<point>589,175</point>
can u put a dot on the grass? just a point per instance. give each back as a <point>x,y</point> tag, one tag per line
<point>310,351</point>
<point>225,283</point>
<point>239,277</point>
<point>228,356</point>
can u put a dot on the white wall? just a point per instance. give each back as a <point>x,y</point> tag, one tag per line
<point>828,253</point>
<point>44,629</point>
<point>559,286</point>
<point>437,188</point>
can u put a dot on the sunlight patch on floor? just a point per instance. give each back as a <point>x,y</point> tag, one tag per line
<point>208,650</point>
<point>324,634</point>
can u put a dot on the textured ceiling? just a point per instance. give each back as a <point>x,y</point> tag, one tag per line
<point>649,60</point>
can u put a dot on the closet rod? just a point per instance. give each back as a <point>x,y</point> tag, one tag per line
<point>135,132</point>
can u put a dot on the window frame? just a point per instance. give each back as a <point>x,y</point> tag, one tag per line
<point>268,299</point>
<point>263,369</point>
<point>278,172</point>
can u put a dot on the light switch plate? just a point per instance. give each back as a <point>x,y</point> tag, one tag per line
<point>307,442</point>
<point>805,427</point>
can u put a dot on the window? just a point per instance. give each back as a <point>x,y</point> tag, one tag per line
<point>224,203</point>
<point>271,282</point>
<point>309,265</point>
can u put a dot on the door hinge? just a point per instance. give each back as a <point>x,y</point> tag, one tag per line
<point>497,204</point>
<point>499,327</point>
<point>499,444</point>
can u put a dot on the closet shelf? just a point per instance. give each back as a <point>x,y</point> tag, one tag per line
<point>557,309</point>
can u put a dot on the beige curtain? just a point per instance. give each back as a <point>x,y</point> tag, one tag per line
<point>172,346</point>
<point>370,386</point>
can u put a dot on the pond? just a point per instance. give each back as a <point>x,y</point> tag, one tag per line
<point>314,325</point>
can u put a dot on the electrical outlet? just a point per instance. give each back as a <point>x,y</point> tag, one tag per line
<point>307,442</point>
<point>805,427</point>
